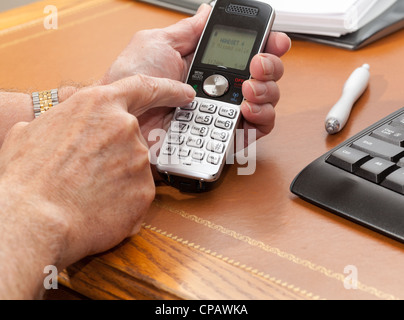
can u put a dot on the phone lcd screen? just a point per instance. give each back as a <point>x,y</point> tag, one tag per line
<point>229,47</point>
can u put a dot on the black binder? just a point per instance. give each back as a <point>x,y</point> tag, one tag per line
<point>388,22</point>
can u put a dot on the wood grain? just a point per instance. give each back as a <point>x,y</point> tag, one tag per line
<point>151,266</point>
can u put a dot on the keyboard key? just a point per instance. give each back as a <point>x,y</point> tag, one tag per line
<point>376,169</point>
<point>395,181</point>
<point>394,135</point>
<point>400,162</point>
<point>398,122</point>
<point>378,148</point>
<point>348,158</point>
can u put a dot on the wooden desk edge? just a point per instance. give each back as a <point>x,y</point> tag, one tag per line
<point>100,278</point>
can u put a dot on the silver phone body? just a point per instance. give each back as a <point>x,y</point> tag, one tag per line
<point>201,135</point>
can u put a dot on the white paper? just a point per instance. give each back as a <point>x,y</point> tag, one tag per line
<point>314,6</point>
<point>326,17</point>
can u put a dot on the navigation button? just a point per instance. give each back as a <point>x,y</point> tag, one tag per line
<point>215,85</point>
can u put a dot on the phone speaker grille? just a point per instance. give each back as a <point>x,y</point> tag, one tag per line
<point>241,10</point>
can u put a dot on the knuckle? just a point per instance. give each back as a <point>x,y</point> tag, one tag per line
<point>130,129</point>
<point>148,82</point>
<point>143,34</point>
<point>124,126</point>
<point>150,192</point>
<point>96,97</point>
<point>19,126</point>
<point>130,123</point>
<point>148,88</point>
<point>16,130</point>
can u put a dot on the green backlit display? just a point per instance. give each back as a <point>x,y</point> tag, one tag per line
<point>229,47</point>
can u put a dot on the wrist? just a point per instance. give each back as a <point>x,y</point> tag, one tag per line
<point>66,91</point>
<point>32,236</point>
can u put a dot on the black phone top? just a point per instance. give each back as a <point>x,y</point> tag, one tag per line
<point>236,31</point>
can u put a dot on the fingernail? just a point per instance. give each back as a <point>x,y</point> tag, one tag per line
<point>267,65</point>
<point>258,88</point>
<point>190,92</point>
<point>253,107</point>
<point>290,44</point>
<point>201,7</point>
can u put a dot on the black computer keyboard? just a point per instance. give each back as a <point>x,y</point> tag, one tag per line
<point>362,179</point>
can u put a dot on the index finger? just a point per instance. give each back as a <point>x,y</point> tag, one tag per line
<point>141,93</point>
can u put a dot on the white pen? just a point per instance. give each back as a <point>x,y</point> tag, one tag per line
<point>353,89</point>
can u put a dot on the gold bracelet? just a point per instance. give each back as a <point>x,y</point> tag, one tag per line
<point>44,100</point>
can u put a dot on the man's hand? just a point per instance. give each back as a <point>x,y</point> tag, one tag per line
<point>168,53</point>
<point>77,180</point>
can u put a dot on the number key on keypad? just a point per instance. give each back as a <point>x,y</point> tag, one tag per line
<point>223,123</point>
<point>184,116</point>
<point>208,108</point>
<point>228,112</point>
<point>195,142</point>
<point>179,127</point>
<point>190,106</point>
<point>200,130</point>
<point>204,119</point>
<point>220,135</point>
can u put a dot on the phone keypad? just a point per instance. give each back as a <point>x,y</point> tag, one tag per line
<point>201,132</point>
<point>184,116</point>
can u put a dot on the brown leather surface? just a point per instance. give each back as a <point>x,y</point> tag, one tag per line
<point>252,224</point>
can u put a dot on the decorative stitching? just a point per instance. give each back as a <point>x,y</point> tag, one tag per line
<point>249,269</point>
<point>267,248</point>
